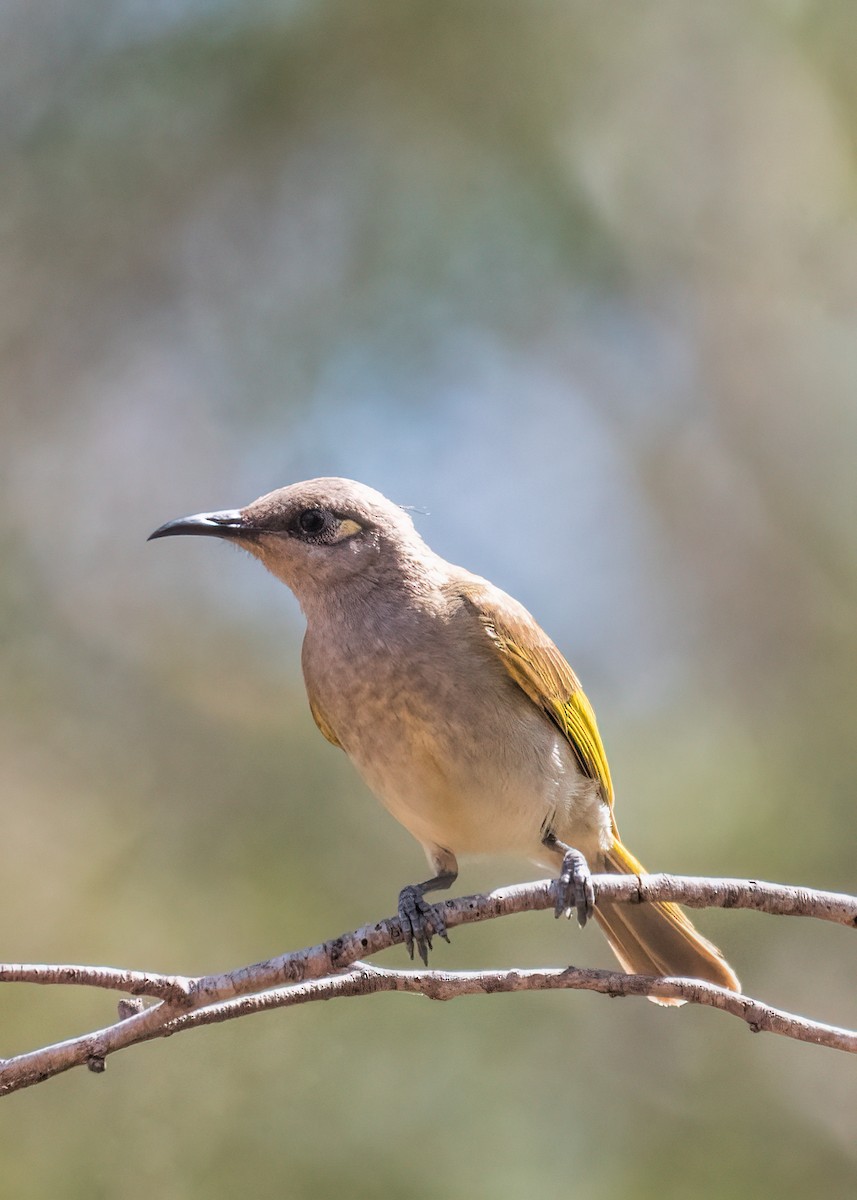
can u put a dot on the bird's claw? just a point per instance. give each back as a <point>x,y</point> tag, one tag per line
<point>575,892</point>
<point>419,922</point>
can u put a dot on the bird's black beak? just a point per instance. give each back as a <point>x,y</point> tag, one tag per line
<point>226,524</point>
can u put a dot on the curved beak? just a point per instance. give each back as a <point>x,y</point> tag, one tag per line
<point>226,524</point>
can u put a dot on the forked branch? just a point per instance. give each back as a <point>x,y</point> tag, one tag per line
<point>337,968</point>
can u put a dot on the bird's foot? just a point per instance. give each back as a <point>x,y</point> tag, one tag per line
<point>419,921</point>
<point>575,892</point>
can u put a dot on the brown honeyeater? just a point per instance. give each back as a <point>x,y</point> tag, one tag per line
<point>456,708</point>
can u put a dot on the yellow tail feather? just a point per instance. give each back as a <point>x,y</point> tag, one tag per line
<point>658,939</point>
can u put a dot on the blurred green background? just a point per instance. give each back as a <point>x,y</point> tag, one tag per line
<point>577,280</point>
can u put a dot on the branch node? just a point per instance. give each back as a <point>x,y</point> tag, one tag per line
<point>129,1006</point>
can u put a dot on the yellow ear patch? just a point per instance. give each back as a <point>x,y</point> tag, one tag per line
<point>345,529</point>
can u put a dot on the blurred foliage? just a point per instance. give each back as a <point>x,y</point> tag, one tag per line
<point>578,281</point>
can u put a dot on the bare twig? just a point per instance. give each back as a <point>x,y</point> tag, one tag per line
<point>138,983</point>
<point>328,970</point>
<point>364,979</point>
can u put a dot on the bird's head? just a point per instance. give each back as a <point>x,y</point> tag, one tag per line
<point>314,536</point>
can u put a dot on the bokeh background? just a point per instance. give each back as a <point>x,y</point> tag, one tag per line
<point>579,282</point>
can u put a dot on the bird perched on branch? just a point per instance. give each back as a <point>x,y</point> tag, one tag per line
<point>456,708</point>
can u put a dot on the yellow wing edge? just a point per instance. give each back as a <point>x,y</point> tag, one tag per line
<point>541,671</point>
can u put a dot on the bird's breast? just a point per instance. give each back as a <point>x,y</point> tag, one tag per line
<point>447,741</point>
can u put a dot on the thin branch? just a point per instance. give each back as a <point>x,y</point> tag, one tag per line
<point>175,988</point>
<point>185,1002</point>
<point>694,892</point>
<point>367,980</point>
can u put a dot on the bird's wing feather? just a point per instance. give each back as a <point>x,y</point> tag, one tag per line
<point>540,670</point>
<point>322,722</point>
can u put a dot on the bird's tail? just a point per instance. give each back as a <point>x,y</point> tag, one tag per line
<point>658,939</point>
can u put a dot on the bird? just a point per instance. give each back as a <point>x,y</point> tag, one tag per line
<point>456,708</point>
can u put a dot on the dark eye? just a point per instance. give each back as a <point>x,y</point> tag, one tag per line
<point>312,520</point>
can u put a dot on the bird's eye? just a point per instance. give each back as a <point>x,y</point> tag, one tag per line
<point>312,520</point>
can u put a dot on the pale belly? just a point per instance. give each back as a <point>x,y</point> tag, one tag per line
<point>469,765</point>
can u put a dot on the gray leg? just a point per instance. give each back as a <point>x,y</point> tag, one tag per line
<point>574,887</point>
<point>418,919</point>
